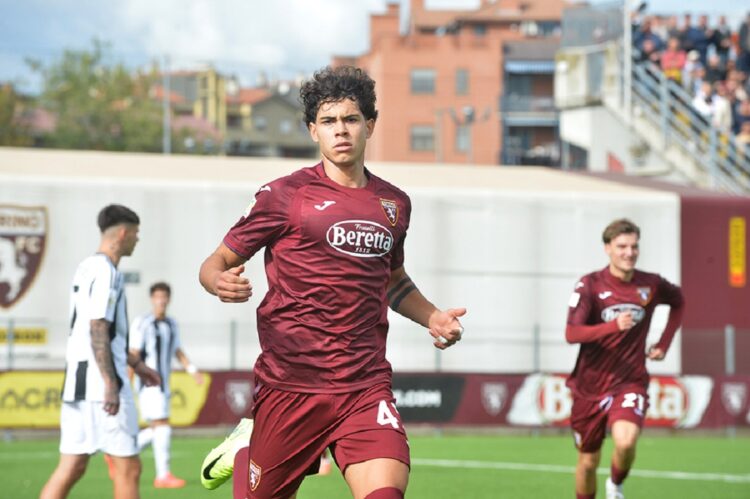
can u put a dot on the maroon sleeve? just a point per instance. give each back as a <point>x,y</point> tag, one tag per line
<point>267,218</point>
<point>578,330</point>
<point>671,295</point>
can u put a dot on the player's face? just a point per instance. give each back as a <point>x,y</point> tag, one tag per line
<point>341,131</point>
<point>623,253</point>
<point>129,239</point>
<point>159,302</point>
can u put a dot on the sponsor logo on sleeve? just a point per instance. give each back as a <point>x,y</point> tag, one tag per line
<point>574,299</point>
<point>360,238</point>
<point>23,235</point>
<point>390,208</point>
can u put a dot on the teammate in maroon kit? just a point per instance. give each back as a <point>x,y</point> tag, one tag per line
<point>334,258</point>
<point>609,315</point>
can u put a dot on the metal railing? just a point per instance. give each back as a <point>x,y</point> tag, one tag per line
<point>668,107</point>
<point>514,103</point>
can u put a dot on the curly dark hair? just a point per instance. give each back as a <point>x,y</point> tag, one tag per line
<point>336,84</point>
<point>116,214</point>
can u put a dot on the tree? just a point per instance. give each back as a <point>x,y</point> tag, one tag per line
<point>13,131</point>
<point>99,105</point>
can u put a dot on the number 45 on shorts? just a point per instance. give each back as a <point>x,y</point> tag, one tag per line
<point>385,416</point>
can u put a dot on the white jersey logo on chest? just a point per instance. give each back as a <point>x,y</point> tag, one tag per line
<point>611,313</point>
<point>360,238</point>
<point>322,206</point>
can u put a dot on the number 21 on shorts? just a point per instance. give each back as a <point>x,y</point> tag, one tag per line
<point>385,416</point>
<point>634,400</point>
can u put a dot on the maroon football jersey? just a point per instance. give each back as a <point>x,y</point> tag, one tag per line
<point>329,254</point>
<point>616,359</point>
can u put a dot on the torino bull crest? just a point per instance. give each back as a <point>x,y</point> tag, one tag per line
<point>23,236</point>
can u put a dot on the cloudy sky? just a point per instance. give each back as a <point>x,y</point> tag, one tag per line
<point>281,37</point>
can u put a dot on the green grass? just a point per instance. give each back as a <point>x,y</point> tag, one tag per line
<point>474,467</point>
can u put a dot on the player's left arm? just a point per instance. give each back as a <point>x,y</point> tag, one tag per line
<point>669,294</point>
<point>405,299</point>
<point>149,376</point>
<point>189,366</point>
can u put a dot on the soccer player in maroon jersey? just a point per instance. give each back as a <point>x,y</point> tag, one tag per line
<point>334,256</point>
<point>609,315</point>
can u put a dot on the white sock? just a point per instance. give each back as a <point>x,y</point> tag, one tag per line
<point>162,441</point>
<point>145,436</point>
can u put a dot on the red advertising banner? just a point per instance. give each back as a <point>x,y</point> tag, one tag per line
<point>31,399</point>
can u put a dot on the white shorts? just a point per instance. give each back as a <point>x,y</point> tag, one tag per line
<point>153,403</point>
<point>85,428</point>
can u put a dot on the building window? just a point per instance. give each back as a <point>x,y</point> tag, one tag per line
<point>463,138</point>
<point>462,82</point>
<point>234,121</point>
<point>423,81</point>
<point>480,29</point>
<point>260,123</point>
<point>422,138</point>
<point>285,126</point>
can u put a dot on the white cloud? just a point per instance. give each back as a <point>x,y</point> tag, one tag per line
<point>282,35</point>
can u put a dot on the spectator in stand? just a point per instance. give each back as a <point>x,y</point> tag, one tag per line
<point>686,41</point>
<point>659,28</point>
<point>644,34</point>
<point>673,60</point>
<point>693,73</point>
<point>702,36</point>
<point>714,70</point>
<point>743,139</point>
<point>730,87</point>
<point>735,84</point>
<point>743,54</point>
<point>743,115</point>
<point>722,116</point>
<point>648,52</point>
<point>704,101</point>
<point>722,40</point>
<point>672,28</point>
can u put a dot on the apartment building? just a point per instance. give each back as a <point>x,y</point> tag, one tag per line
<point>442,77</point>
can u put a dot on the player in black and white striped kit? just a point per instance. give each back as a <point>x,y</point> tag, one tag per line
<point>155,338</point>
<point>98,411</point>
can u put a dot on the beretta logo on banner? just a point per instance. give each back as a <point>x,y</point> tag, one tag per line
<point>23,236</point>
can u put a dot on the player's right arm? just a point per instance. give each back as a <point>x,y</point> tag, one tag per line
<point>579,307</point>
<point>102,348</point>
<point>221,275</point>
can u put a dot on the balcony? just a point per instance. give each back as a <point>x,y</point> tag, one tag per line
<point>515,103</point>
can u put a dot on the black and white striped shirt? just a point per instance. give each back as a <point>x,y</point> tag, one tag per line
<point>157,341</point>
<point>98,292</point>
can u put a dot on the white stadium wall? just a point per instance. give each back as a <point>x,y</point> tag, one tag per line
<point>506,243</point>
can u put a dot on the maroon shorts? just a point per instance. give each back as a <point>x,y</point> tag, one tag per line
<point>591,418</point>
<point>292,430</point>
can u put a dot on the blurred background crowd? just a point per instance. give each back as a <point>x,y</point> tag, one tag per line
<point>711,61</point>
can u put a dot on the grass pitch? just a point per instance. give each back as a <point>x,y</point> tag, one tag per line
<point>471,467</point>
